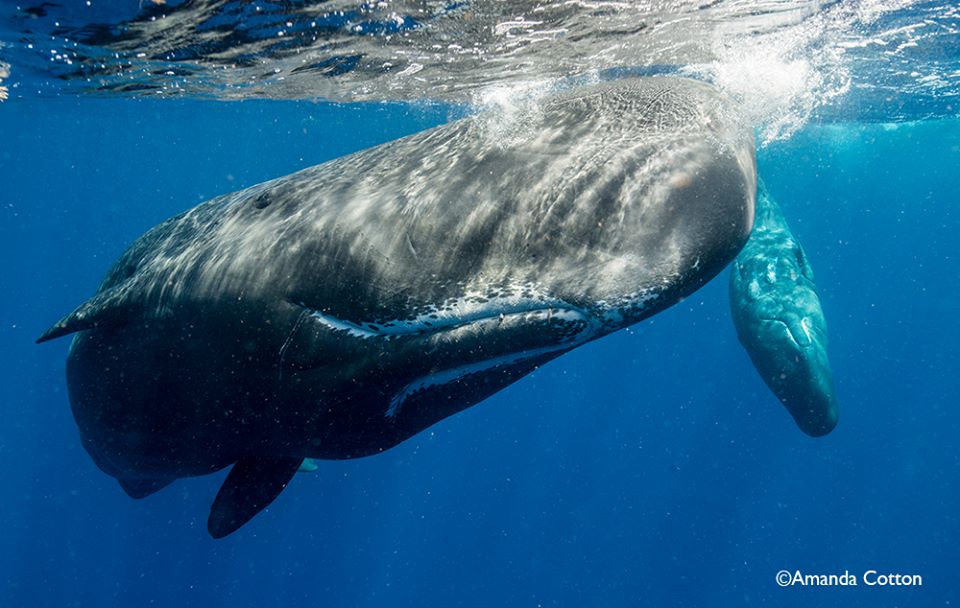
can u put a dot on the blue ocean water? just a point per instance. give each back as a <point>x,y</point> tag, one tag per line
<point>651,467</point>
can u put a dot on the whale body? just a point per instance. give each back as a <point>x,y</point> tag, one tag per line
<point>779,320</point>
<point>337,311</point>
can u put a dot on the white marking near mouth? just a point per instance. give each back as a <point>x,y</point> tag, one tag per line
<point>452,314</point>
<point>452,375</point>
<point>590,326</point>
<point>354,329</point>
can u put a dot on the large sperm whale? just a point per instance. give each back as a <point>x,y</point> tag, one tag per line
<point>337,311</point>
<point>779,320</point>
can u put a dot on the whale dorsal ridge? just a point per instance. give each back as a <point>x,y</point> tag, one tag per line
<point>107,308</point>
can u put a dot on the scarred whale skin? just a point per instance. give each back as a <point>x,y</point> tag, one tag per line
<point>337,311</point>
<point>779,320</point>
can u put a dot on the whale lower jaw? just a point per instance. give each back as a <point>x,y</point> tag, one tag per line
<point>455,374</point>
<point>468,318</point>
<point>569,325</point>
<point>580,326</point>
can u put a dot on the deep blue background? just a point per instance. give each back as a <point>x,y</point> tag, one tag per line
<point>648,468</point>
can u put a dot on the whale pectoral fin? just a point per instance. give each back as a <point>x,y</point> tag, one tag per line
<point>141,488</point>
<point>105,309</point>
<point>253,483</point>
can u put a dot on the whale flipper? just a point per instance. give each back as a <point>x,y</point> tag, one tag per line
<point>141,488</point>
<point>253,483</point>
<point>779,320</point>
<point>108,308</point>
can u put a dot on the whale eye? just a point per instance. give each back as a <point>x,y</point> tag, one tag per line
<point>129,269</point>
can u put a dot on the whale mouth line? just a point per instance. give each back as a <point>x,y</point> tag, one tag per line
<point>576,326</point>
<point>586,328</point>
<point>450,319</point>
